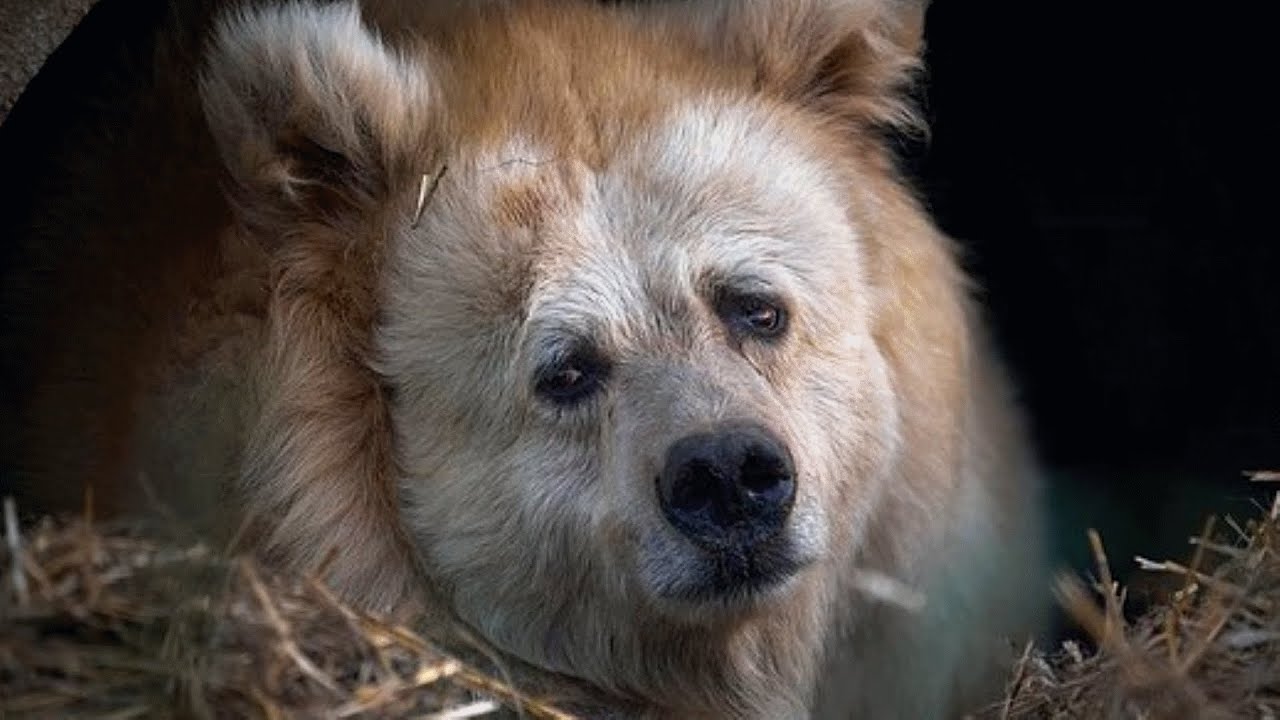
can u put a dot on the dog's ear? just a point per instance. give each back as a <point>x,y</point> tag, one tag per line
<point>319,124</point>
<point>850,58</point>
<point>311,112</point>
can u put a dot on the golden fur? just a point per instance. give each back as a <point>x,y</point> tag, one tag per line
<point>317,334</point>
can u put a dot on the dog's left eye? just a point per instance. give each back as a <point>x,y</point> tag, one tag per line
<point>754,315</point>
<point>573,379</point>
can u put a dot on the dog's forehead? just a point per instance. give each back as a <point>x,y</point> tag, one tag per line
<point>706,167</point>
<point>714,185</point>
<point>723,165</point>
<point>526,182</point>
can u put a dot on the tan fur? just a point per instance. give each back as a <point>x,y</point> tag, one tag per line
<point>338,353</point>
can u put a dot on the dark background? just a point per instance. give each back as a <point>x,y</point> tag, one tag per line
<point>1100,161</point>
<point>1103,165</point>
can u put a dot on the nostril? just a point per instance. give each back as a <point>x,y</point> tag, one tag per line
<point>693,487</point>
<point>763,471</point>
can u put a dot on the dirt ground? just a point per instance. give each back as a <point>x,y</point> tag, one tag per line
<point>29,31</point>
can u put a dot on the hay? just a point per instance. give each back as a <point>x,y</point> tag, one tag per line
<point>1210,650</point>
<point>99,622</point>
<point>102,622</point>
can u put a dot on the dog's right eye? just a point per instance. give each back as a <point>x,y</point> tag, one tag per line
<point>573,379</point>
<point>753,315</point>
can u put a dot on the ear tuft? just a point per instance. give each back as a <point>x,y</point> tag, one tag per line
<point>853,59</point>
<point>864,59</point>
<point>308,107</point>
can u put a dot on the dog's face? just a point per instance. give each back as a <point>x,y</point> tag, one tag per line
<point>633,372</point>
<point>625,319</point>
<point>646,379</point>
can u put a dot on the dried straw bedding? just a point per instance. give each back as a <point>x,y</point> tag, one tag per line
<point>100,621</point>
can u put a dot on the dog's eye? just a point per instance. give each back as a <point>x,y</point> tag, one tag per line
<point>573,379</point>
<point>754,315</point>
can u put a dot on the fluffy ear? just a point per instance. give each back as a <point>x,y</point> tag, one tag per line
<point>310,110</point>
<point>316,120</point>
<point>851,58</point>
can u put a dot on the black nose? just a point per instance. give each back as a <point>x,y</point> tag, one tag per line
<point>733,487</point>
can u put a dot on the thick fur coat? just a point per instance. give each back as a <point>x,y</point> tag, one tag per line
<point>308,295</point>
